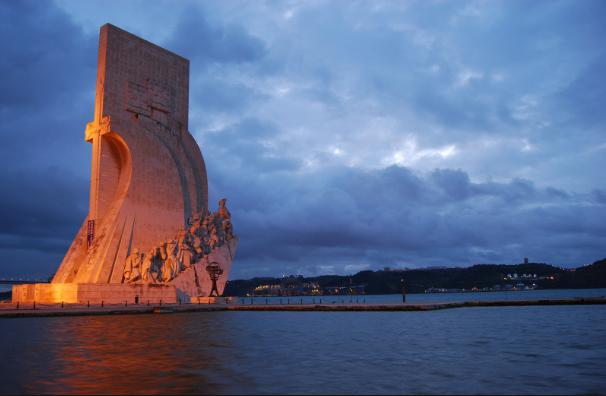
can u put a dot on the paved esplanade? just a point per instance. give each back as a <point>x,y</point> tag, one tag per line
<point>149,234</point>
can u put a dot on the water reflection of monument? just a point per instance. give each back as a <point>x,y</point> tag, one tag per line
<point>127,355</point>
<point>149,234</point>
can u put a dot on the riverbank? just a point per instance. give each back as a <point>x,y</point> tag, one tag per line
<point>14,311</point>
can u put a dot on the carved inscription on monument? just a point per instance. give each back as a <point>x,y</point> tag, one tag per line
<point>137,99</point>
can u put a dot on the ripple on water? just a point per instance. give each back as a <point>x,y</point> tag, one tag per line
<point>472,350</point>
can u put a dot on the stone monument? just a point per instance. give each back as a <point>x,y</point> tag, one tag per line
<point>149,234</point>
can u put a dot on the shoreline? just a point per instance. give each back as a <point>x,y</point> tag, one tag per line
<point>84,310</point>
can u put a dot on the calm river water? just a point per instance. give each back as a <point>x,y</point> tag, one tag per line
<point>551,349</point>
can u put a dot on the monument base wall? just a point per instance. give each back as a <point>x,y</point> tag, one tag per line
<point>83,293</point>
<point>191,285</point>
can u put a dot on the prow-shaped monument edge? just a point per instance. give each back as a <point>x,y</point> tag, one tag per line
<point>149,234</point>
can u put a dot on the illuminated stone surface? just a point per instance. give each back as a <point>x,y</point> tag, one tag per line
<point>149,232</point>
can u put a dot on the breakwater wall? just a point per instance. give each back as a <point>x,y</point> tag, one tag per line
<point>14,311</point>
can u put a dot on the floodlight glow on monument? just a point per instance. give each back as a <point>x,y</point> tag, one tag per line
<point>149,234</point>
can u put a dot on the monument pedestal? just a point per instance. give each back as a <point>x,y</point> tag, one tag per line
<point>191,285</point>
<point>94,293</point>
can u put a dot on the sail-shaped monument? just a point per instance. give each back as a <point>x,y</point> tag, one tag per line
<point>149,234</point>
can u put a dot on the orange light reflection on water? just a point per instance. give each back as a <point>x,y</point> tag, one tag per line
<point>131,354</point>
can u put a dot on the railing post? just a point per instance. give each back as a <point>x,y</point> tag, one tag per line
<point>34,304</point>
<point>88,304</point>
<point>17,304</point>
<point>61,304</point>
<point>101,303</point>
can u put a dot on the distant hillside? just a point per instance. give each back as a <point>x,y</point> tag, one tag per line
<point>587,277</point>
<point>481,276</point>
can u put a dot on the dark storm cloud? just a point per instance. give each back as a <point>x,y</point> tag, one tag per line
<point>599,196</point>
<point>582,101</point>
<point>42,203</point>
<point>203,42</point>
<point>44,56</point>
<point>46,97</point>
<point>247,145</point>
<point>40,212</point>
<point>344,218</point>
<point>216,95</point>
<point>392,217</point>
<point>48,75</point>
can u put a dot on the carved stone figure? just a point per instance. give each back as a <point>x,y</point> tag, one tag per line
<point>165,272</point>
<point>185,255</point>
<point>213,239</point>
<point>223,212</point>
<point>146,266</point>
<point>151,266</point>
<point>194,224</point>
<point>156,270</point>
<point>170,269</point>
<point>132,269</point>
<point>227,229</point>
<point>198,248</point>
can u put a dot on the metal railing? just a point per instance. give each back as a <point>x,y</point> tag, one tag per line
<point>302,300</point>
<point>217,301</point>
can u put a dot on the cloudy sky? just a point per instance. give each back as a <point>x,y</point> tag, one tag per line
<point>346,135</point>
